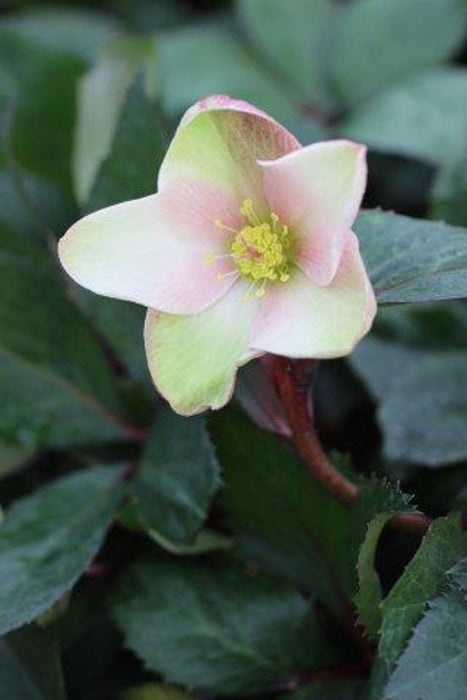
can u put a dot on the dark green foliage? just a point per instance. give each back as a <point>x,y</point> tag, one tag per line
<point>57,386</point>
<point>413,261</point>
<point>420,582</point>
<point>49,538</point>
<point>177,478</point>
<point>449,193</point>
<point>295,38</point>
<point>369,596</point>
<point>390,122</point>
<point>121,325</point>
<point>380,42</point>
<point>209,563</point>
<point>287,521</point>
<point>130,171</point>
<point>439,643</point>
<point>38,86</point>
<point>225,630</point>
<point>284,518</point>
<point>30,666</point>
<point>417,388</point>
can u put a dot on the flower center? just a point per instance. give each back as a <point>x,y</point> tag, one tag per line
<point>261,249</point>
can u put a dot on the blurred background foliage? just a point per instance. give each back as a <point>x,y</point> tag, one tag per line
<point>223,569</point>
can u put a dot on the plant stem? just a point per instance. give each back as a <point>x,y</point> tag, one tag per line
<point>292,378</point>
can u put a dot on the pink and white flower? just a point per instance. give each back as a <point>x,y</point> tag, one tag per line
<point>245,249</point>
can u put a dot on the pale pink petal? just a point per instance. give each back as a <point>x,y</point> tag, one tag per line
<point>317,191</point>
<point>154,250</point>
<point>220,141</point>
<point>213,102</point>
<point>371,308</point>
<point>193,359</point>
<point>301,319</point>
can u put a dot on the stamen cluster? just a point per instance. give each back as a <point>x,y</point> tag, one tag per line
<point>261,250</point>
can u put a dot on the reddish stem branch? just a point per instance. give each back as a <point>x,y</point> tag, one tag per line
<point>417,522</point>
<point>292,380</point>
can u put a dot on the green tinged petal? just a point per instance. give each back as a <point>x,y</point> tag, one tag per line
<point>193,359</point>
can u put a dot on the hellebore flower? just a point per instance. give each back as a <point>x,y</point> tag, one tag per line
<point>246,248</point>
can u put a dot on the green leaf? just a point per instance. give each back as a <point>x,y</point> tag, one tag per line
<point>12,459</point>
<point>287,522</point>
<point>438,325</point>
<point>121,324</point>
<point>295,38</point>
<point>381,363</point>
<point>205,541</point>
<point>57,386</point>
<point>221,629</point>
<point>370,593</point>
<point>48,540</point>
<point>449,193</point>
<point>382,41</point>
<point>43,410</point>
<point>421,581</point>
<point>39,87</point>
<point>32,206</point>
<point>101,96</point>
<point>417,388</point>
<point>410,260</point>
<point>67,30</point>
<point>421,117</point>
<point>15,245</point>
<point>30,666</point>
<point>129,171</point>
<point>177,478</point>
<point>376,504</point>
<point>234,72</point>
<point>154,691</point>
<point>377,681</point>
<point>458,575</point>
<point>147,16</point>
<point>424,415</point>
<point>434,664</point>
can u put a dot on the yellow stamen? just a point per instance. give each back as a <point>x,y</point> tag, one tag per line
<point>249,213</point>
<point>210,259</point>
<point>220,224</point>
<point>261,250</point>
<point>221,276</point>
<point>262,290</point>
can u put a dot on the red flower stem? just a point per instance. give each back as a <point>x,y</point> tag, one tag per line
<point>292,378</point>
<point>292,381</point>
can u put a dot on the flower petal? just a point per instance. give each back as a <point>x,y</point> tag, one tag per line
<point>220,140</point>
<point>302,319</point>
<point>153,250</point>
<point>317,191</point>
<point>193,359</point>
